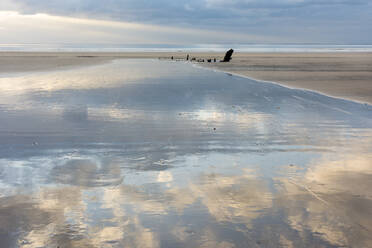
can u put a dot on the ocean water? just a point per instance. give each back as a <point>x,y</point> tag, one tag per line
<point>148,153</point>
<point>36,47</point>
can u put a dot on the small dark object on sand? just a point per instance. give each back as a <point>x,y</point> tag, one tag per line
<point>214,60</point>
<point>86,56</point>
<point>209,60</point>
<point>193,59</point>
<point>172,58</point>
<point>228,55</point>
<point>187,57</point>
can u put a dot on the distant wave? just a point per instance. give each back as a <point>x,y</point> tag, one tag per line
<point>184,48</point>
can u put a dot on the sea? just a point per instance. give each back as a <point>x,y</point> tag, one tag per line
<point>36,47</point>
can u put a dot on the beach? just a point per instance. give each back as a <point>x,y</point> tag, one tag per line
<point>98,151</point>
<point>185,124</point>
<point>343,75</point>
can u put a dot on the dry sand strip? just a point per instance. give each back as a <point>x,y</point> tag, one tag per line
<point>344,75</point>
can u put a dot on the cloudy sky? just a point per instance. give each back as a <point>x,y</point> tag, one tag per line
<point>186,21</point>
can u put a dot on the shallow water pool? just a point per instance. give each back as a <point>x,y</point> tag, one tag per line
<point>147,153</point>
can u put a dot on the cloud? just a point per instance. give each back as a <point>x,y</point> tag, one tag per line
<point>337,21</point>
<point>273,4</point>
<point>45,28</point>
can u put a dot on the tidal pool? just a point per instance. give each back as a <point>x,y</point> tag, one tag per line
<point>147,153</point>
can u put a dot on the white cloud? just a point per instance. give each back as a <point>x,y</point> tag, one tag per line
<point>44,28</point>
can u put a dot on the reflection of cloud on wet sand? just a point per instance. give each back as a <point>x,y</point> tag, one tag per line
<point>106,75</point>
<point>333,199</point>
<point>56,218</point>
<point>97,207</point>
<point>323,205</point>
<point>87,173</point>
<point>61,217</point>
<point>125,236</point>
<point>15,212</point>
<point>233,198</point>
<point>127,230</point>
<point>226,199</point>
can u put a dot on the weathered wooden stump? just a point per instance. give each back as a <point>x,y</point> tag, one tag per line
<point>228,56</point>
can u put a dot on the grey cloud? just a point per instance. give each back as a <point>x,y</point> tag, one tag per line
<point>272,4</point>
<point>167,10</point>
<point>330,20</point>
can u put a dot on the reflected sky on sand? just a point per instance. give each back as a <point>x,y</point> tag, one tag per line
<point>146,153</point>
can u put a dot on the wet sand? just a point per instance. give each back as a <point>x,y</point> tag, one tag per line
<point>343,75</point>
<point>149,153</point>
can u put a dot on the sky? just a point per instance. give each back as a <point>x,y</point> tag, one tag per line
<point>186,21</point>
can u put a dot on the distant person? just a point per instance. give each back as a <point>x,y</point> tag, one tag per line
<point>187,58</point>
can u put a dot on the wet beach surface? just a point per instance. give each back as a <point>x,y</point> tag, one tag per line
<point>147,153</point>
